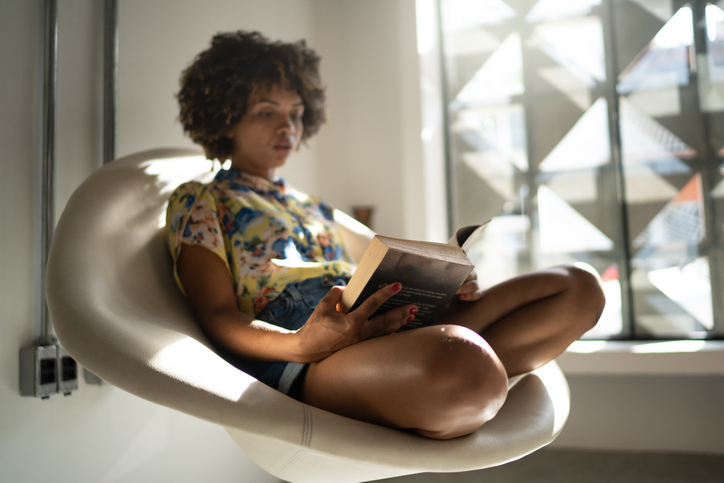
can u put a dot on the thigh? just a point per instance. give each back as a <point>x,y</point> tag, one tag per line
<point>435,379</point>
<point>504,299</point>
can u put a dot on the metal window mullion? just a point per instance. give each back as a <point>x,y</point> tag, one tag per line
<point>529,259</point>
<point>708,169</point>
<point>447,142</point>
<point>614,127</point>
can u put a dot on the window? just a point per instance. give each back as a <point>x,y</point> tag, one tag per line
<point>593,130</point>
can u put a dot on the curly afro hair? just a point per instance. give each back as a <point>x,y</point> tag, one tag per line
<point>217,86</point>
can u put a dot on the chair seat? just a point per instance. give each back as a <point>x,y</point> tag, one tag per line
<point>116,309</point>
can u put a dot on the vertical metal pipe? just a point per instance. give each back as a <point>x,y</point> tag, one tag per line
<point>110,79</point>
<point>50,83</point>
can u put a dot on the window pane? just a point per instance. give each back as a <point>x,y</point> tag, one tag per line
<point>666,169</point>
<point>593,131</point>
<point>529,139</point>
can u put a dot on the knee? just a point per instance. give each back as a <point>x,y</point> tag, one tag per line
<point>586,293</point>
<point>467,384</point>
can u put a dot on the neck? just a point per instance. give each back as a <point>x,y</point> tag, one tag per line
<point>267,173</point>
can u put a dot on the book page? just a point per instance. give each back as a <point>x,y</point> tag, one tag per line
<point>467,235</point>
<point>441,251</point>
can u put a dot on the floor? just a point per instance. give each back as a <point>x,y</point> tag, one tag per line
<point>553,465</point>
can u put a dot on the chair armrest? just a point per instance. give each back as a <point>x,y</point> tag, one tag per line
<point>356,236</point>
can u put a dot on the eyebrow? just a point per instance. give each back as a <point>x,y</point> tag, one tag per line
<point>301,103</point>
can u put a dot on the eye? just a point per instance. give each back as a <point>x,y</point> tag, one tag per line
<point>266,114</point>
<point>297,116</point>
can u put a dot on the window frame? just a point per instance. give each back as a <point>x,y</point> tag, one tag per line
<point>629,334</point>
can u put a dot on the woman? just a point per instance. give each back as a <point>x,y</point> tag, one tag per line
<point>263,267</point>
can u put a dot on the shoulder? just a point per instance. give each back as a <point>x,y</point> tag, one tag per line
<point>195,189</point>
<point>187,189</point>
<point>318,204</point>
<point>305,198</point>
<point>189,196</point>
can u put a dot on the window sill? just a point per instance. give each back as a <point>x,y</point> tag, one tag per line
<point>688,357</point>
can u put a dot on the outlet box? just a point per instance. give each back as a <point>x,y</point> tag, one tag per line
<point>67,370</point>
<point>47,369</point>
<point>38,371</point>
<point>93,379</point>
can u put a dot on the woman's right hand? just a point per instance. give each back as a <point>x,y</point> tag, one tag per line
<point>329,330</point>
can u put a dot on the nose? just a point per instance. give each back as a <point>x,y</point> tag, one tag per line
<point>288,126</point>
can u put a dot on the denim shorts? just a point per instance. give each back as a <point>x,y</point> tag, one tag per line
<point>290,310</point>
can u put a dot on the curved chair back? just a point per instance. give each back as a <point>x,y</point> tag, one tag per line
<point>116,309</point>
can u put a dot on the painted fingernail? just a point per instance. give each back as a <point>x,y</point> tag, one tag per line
<point>410,319</point>
<point>413,310</point>
<point>463,296</point>
<point>396,287</point>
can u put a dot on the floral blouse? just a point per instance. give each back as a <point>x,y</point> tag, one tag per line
<point>267,234</point>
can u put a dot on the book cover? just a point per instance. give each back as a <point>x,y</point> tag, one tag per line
<point>430,274</point>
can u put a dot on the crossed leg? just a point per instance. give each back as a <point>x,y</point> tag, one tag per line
<point>531,319</point>
<point>447,380</point>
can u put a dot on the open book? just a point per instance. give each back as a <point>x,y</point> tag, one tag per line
<point>430,273</point>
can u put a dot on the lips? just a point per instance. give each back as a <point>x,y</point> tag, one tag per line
<point>284,145</point>
<point>283,150</point>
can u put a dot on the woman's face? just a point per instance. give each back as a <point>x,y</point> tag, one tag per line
<point>268,133</point>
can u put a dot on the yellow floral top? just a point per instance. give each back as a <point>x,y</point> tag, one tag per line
<point>267,234</point>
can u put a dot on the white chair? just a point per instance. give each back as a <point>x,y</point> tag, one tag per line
<point>118,312</point>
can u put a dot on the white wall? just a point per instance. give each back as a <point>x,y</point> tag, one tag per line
<point>159,38</point>
<point>104,434</point>
<point>360,151</point>
<point>99,434</point>
<point>645,413</point>
<point>370,153</point>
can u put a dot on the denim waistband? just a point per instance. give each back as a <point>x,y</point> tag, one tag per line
<point>291,310</point>
<point>295,304</point>
<point>296,289</point>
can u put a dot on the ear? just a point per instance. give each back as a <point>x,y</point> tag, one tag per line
<point>231,130</point>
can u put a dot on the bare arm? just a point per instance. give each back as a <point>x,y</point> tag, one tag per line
<point>210,292</point>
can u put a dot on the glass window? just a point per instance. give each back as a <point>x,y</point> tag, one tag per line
<point>593,130</point>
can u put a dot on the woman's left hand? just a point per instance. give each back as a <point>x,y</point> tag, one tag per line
<point>470,290</point>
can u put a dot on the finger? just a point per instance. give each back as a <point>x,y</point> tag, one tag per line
<point>329,302</point>
<point>468,287</point>
<point>471,297</point>
<point>390,321</point>
<point>375,301</point>
<point>472,276</point>
<point>470,292</point>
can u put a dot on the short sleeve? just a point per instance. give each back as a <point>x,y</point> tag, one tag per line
<point>192,218</point>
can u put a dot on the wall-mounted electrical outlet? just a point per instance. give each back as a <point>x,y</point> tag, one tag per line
<point>67,372</point>
<point>46,370</point>
<point>38,371</point>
